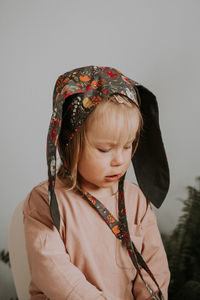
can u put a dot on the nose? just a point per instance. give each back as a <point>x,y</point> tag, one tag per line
<point>117,158</point>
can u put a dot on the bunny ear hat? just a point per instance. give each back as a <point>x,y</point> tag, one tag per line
<point>80,91</point>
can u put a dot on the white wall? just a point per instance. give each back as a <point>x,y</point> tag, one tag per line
<point>157,43</point>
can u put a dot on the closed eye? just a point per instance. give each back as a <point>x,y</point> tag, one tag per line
<point>103,150</point>
<point>128,146</point>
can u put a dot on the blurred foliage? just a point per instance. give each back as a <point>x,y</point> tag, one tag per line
<point>4,257</point>
<point>183,249</point>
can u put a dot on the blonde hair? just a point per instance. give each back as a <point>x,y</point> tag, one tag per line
<point>121,107</point>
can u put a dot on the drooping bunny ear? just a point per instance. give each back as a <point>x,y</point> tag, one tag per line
<point>150,161</point>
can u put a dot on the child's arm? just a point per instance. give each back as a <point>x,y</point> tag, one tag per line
<point>51,270</point>
<point>154,255</point>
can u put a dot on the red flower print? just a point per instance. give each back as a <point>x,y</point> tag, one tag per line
<point>67,94</point>
<point>111,74</point>
<point>126,239</point>
<point>53,134</point>
<point>53,122</point>
<point>88,87</point>
<point>125,79</point>
<point>125,235</point>
<point>105,91</point>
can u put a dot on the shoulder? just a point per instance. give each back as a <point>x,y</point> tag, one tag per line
<point>37,197</point>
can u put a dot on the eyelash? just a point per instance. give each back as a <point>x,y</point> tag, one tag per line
<point>128,147</point>
<point>104,151</point>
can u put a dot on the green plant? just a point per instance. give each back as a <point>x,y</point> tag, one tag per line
<point>183,249</point>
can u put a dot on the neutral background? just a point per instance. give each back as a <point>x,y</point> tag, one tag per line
<point>155,42</point>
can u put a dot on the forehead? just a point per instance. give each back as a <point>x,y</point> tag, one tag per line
<point>114,125</point>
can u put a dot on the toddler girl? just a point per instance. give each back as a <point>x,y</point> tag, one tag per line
<point>90,234</point>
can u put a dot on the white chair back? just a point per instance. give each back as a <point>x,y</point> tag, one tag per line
<point>18,255</point>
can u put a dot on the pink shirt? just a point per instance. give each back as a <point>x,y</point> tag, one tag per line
<point>85,259</point>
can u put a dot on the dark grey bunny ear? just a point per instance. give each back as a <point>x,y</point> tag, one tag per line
<point>150,161</point>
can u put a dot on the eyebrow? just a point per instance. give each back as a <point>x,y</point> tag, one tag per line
<point>112,144</point>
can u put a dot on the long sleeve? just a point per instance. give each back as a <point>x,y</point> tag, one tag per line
<point>154,255</point>
<point>51,270</point>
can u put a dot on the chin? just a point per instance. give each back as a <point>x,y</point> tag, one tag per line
<point>109,184</point>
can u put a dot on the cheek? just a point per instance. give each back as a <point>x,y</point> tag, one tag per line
<point>91,164</point>
<point>128,157</point>
<point>97,164</point>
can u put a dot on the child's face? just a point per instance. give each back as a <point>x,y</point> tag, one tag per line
<point>105,157</point>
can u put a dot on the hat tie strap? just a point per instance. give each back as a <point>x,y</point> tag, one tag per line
<point>121,231</point>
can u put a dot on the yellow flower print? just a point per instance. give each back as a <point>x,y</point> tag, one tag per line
<point>87,103</point>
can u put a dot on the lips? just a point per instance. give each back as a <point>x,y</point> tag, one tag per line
<point>113,177</point>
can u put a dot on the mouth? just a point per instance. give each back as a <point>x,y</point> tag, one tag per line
<point>113,177</point>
